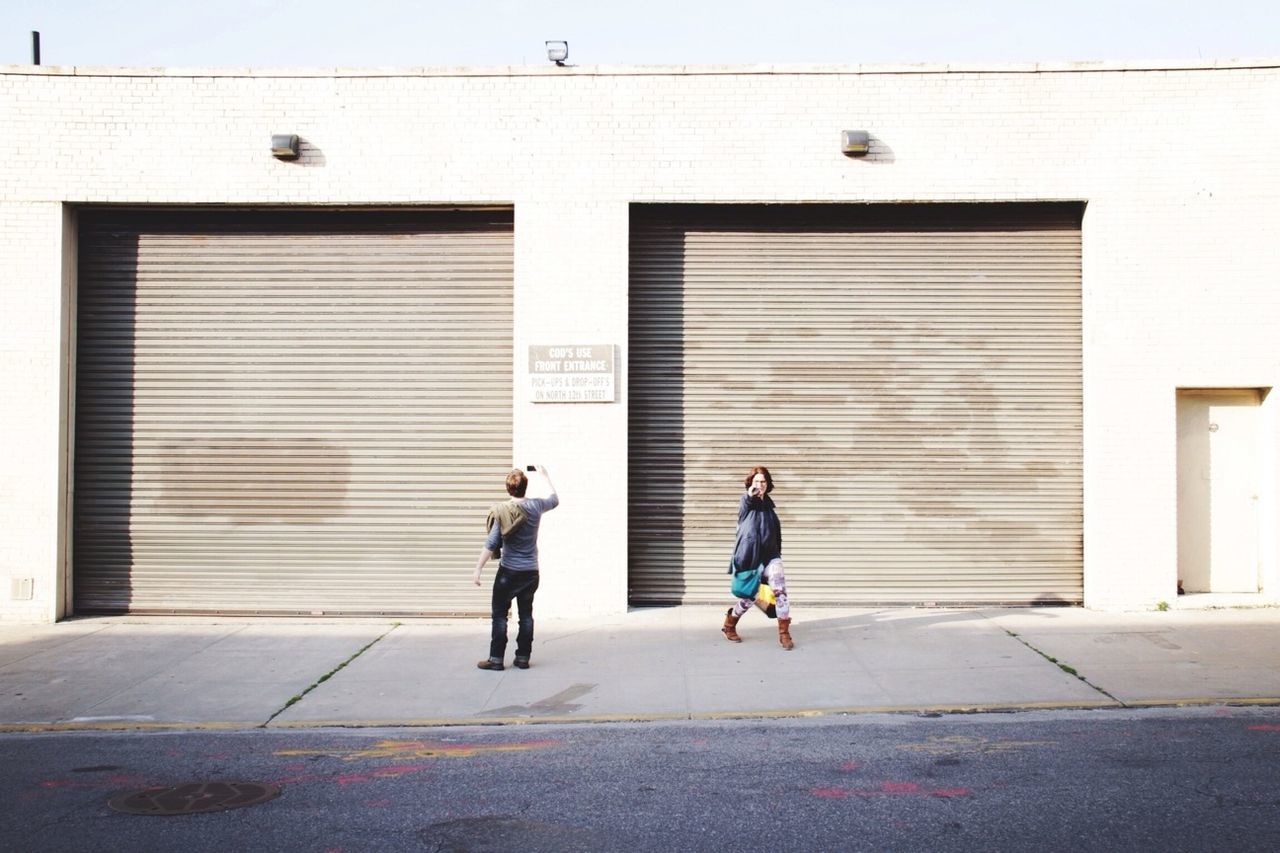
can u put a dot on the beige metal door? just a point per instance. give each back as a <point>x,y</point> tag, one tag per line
<point>910,374</point>
<point>289,411</point>
<point>1218,479</point>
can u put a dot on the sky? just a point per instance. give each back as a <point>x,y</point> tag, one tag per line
<point>404,33</point>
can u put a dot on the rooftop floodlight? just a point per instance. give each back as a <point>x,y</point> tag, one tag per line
<point>558,52</point>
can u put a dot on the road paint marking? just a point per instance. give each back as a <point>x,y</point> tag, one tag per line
<point>420,749</point>
<point>49,787</point>
<point>952,744</point>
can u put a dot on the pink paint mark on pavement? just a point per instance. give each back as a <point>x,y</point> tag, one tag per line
<point>1265,727</point>
<point>58,783</point>
<point>850,765</point>
<point>88,784</point>
<point>899,787</point>
<point>393,770</point>
<point>352,778</point>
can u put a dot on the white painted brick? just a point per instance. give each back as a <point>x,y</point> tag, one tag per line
<point>1178,167</point>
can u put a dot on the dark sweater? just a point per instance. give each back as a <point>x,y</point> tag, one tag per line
<point>759,533</point>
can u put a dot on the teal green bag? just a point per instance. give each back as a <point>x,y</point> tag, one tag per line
<point>746,582</point>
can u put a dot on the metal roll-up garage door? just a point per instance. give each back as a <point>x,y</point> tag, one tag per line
<point>911,375</point>
<point>289,411</point>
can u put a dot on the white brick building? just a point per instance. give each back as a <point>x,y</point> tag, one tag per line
<point>610,206</point>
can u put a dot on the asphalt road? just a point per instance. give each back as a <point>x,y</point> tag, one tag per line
<point>1189,779</point>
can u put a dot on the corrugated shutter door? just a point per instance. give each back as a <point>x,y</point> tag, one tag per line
<point>289,412</point>
<point>911,375</point>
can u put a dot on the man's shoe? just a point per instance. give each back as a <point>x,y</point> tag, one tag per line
<point>491,664</point>
<point>522,663</point>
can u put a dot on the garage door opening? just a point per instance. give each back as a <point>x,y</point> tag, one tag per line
<point>911,374</point>
<point>288,411</point>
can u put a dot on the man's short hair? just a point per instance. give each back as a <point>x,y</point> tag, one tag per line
<point>517,483</point>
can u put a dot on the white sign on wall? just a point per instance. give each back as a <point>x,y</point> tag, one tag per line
<point>571,374</point>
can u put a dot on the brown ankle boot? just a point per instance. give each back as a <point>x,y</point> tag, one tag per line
<point>784,634</point>
<point>730,626</point>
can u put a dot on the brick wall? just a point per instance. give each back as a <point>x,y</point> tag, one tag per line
<point>31,396</point>
<point>1178,166</point>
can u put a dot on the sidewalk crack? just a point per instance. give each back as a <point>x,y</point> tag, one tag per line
<point>1069,670</point>
<point>330,674</point>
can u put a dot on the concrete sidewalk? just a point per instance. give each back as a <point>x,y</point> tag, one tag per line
<point>662,663</point>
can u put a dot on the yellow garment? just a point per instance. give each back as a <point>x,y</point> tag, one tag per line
<point>766,601</point>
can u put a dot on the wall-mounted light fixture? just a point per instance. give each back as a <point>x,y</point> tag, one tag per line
<point>284,146</point>
<point>855,143</point>
<point>558,52</point>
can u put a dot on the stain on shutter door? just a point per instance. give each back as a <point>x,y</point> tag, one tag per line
<point>289,411</point>
<point>911,374</point>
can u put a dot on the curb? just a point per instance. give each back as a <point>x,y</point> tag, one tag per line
<point>455,722</point>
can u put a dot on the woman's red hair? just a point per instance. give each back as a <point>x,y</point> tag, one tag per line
<point>768,478</point>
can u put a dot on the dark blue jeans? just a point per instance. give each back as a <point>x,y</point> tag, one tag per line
<point>520,586</point>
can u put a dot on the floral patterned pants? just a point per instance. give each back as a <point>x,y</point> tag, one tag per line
<point>777,581</point>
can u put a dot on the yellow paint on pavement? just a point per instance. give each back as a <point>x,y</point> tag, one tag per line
<point>953,744</point>
<point>402,749</point>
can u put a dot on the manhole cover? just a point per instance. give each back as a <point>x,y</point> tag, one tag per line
<point>194,798</point>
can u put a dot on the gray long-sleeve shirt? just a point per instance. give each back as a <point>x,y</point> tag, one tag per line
<point>520,546</point>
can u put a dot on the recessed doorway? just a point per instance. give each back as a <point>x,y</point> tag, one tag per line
<point>1219,478</point>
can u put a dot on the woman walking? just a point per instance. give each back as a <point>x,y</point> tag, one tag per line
<point>760,544</point>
